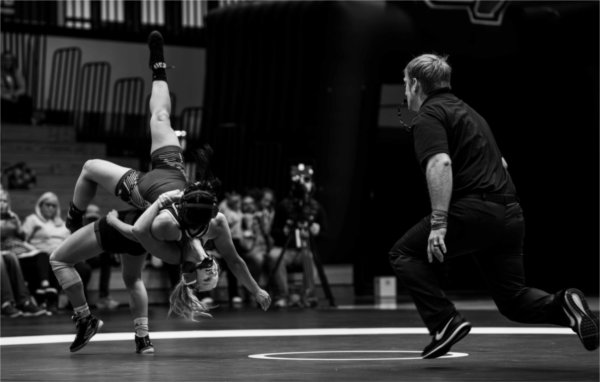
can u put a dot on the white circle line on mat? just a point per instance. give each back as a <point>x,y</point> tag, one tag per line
<point>288,356</point>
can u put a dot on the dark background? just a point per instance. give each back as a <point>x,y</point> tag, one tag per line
<point>301,81</point>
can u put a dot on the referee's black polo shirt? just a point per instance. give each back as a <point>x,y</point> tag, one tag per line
<point>446,124</point>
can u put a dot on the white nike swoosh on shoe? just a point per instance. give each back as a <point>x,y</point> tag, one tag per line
<point>572,321</point>
<point>439,335</point>
<point>577,309</point>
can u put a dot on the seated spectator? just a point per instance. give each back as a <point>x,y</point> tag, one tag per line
<point>15,298</point>
<point>46,230</point>
<point>34,262</point>
<point>267,208</point>
<point>105,261</point>
<point>16,104</point>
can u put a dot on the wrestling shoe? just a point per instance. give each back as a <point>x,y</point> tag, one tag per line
<point>452,332</point>
<point>143,345</point>
<point>583,321</point>
<point>87,327</point>
<point>157,57</point>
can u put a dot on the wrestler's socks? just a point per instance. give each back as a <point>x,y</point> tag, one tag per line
<point>157,58</point>
<point>140,325</point>
<point>82,311</point>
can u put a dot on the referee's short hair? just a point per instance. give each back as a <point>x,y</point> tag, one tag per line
<point>431,70</point>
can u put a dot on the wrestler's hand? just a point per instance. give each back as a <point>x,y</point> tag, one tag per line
<point>263,299</point>
<point>169,197</point>
<point>111,217</point>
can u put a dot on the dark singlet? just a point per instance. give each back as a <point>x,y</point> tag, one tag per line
<point>140,189</point>
<point>112,241</point>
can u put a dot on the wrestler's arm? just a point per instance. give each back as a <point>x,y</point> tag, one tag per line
<point>192,250</point>
<point>112,218</point>
<point>142,231</point>
<point>236,264</point>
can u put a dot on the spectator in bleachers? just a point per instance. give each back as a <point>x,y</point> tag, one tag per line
<point>267,209</point>
<point>104,262</point>
<point>46,230</point>
<point>15,298</point>
<point>16,104</point>
<point>33,261</point>
<point>231,207</point>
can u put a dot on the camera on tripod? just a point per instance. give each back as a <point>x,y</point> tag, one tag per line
<point>301,176</point>
<point>303,215</point>
<point>303,219</point>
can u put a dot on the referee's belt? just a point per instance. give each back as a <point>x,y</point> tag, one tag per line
<point>504,199</point>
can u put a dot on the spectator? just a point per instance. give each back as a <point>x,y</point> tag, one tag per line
<point>267,209</point>
<point>231,207</point>
<point>16,104</point>
<point>298,218</point>
<point>46,230</point>
<point>15,297</point>
<point>33,262</point>
<point>104,262</point>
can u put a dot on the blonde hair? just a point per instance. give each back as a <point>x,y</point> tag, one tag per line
<point>184,303</point>
<point>431,70</point>
<point>49,197</point>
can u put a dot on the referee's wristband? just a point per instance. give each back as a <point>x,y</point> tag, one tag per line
<point>438,219</point>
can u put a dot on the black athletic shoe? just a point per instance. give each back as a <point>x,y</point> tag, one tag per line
<point>583,321</point>
<point>155,43</point>
<point>143,345</point>
<point>452,332</point>
<point>87,327</point>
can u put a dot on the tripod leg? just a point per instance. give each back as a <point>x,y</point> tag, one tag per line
<point>321,272</point>
<point>279,259</point>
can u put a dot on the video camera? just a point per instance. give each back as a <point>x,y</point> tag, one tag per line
<point>302,181</point>
<point>302,210</point>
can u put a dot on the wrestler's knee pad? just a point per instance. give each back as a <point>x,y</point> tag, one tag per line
<point>65,273</point>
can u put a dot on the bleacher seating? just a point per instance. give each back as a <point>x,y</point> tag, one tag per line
<point>56,157</point>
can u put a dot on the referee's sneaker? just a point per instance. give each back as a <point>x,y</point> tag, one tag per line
<point>582,320</point>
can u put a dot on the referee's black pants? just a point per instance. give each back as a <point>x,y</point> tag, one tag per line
<point>493,235</point>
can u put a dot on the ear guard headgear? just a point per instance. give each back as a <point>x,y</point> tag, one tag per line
<point>196,208</point>
<point>202,276</point>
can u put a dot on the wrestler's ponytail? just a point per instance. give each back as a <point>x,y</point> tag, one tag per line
<point>184,303</point>
<point>205,178</point>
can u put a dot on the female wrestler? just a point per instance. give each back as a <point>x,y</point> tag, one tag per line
<point>139,189</point>
<point>115,233</point>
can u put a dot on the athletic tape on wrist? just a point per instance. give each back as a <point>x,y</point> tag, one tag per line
<point>438,219</point>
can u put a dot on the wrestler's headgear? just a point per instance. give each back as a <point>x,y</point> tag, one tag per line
<point>196,208</point>
<point>202,276</point>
